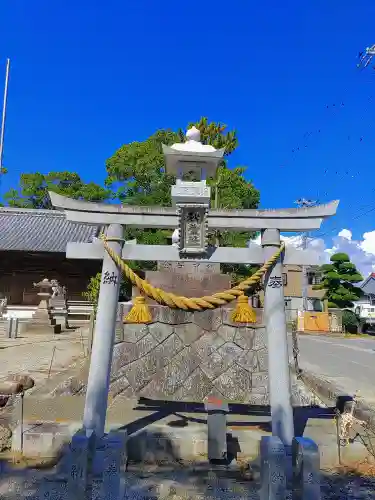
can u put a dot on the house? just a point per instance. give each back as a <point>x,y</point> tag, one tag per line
<point>293,279</point>
<point>368,288</point>
<point>32,247</point>
<point>293,285</point>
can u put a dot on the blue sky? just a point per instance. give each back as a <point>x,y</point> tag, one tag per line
<point>89,76</point>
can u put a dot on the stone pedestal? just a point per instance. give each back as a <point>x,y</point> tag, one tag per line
<point>43,329</point>
<point>43,322</point>
<point>58,305</point>
<point>188,356</point>
<point>59,312</point>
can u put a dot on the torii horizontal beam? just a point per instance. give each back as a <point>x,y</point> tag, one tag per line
<point>286,220</point>
<point>221,255</point>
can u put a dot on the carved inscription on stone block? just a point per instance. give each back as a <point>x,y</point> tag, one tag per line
<point>189,285</point>
<point>189,267</point>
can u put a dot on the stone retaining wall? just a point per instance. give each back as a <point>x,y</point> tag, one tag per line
<point>189,356</point>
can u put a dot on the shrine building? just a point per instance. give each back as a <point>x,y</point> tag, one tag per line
<point>33,247</point>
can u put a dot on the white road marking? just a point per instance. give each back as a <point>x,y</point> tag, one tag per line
<point>355,348</point>
<point>350,361</point>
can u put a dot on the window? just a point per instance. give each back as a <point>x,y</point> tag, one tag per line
<point>313,278</point>
<point>285,279</point>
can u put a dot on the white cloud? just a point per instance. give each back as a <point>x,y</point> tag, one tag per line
<point>345,233</point>
<point>361,252</point>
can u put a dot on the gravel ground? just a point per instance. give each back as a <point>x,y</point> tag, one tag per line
<point>187,485</point>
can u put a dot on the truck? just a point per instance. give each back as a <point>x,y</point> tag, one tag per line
<point>366,316</point>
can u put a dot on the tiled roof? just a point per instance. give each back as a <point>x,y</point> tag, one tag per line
<point>40,230</point>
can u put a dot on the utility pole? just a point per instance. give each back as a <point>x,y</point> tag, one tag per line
<point>366,56</point>
<point>2,131</point>
<point>303,203</point>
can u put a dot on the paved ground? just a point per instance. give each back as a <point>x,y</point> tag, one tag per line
<point>349,363</point>
<point>33,354</point>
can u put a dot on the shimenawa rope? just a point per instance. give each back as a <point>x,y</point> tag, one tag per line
<point>192,303</point>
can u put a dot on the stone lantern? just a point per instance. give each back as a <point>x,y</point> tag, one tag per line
<point>42,320</point>
<point>192,163</point>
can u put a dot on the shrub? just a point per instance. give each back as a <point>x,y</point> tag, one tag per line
<point>350,321</point>
<point>93,289</point>
<point>92,292</point>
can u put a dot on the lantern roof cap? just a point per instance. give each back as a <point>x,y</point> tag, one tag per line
<point>181,155</point>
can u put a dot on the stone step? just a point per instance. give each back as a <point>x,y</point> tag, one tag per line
<point>3,328</point>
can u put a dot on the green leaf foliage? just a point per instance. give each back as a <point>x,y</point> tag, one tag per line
<point>93,288</point>
<point>92,292</point>
<point>338,282</point>
<point>33,190</point>
<point>350,321</point>
<point>340,257</point>
<point>327,267</point>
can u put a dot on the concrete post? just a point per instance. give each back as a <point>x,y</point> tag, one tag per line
<point>273,475</point>
<point>102,347</point>
<point>217,411</point>
<point>278,360</point>
<point>306,469</point>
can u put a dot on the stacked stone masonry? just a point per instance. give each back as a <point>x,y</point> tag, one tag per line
<point>188,356</point>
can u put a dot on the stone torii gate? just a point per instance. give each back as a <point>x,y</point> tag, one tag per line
<point>192,216</point>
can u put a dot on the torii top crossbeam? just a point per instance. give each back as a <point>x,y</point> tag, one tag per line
<point>284,219</point>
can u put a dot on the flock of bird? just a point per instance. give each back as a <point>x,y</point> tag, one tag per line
<point>310,138</point>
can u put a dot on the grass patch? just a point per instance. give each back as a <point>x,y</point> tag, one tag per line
<point>359,336</point>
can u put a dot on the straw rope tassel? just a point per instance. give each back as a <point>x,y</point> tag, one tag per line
<point>140,312</point>
<point>243,312</point>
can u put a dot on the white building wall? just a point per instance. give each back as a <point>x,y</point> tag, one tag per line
<point>295,304</point>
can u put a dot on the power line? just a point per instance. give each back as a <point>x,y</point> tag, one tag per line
<point>356,217</point>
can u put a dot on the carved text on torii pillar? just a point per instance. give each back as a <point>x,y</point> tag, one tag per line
<point>109,278</point>
<point>275,282</point>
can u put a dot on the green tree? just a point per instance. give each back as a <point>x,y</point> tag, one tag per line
<point>136,172</point>
<point>33,190</point>
<point>339,280</point>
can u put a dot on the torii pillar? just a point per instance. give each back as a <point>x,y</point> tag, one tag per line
<point>102,348</point>
<point>274,319</point>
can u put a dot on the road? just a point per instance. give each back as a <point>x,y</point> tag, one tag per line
<point>349,363</point>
